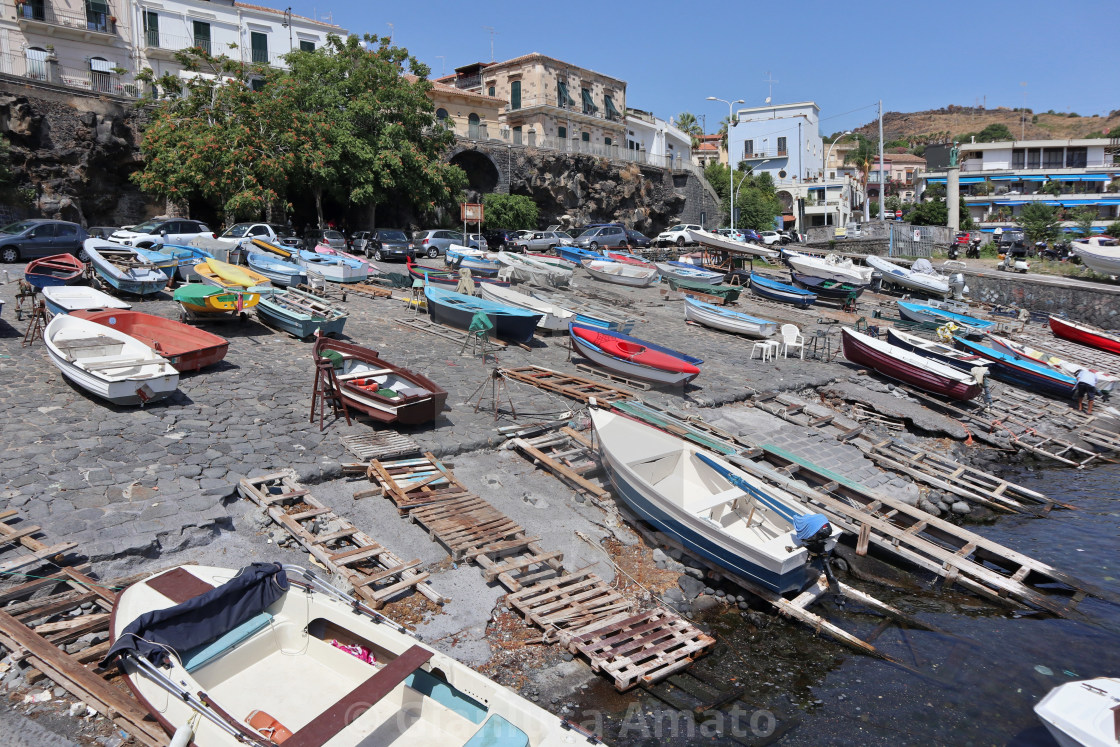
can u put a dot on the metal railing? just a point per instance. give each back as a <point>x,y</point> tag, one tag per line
<point>44,11</point>
<point>155,39</point>
<point>80,78</point>
<point>552,102</point>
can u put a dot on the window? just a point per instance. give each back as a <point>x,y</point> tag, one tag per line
<point>586,137</point>
<point>99,69</point>
<point>36,63</point>
<point>97,16</point>
<point>202,35</point>
<point>748,147</point>
<point>1076,158</point>
<point>1034,158</point>
<point>515,95</point>
<point>256,84</point>
<point>517,135</point>
<point>1052,158</point>
<point>35,10</point>
<point>588,104</point>
<point>64,229</point>
<point>441,114</point>
<point>1018,158</point>
<point>781,146</point>
<point>473,126</point>
<point>563,99</point>
<point>562,133</point>
<point>607,142</point>
<point>259,45</point>
<point>612,112</point>
<point>151,28</point>
<point>306,46</point>
<point>491,91</point>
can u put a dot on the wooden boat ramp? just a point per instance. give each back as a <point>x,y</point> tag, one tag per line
<point>576,608</point>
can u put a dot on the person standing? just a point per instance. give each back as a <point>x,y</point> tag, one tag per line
<point>1086,387</point>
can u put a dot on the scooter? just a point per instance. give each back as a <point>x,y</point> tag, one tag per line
<point>973,251</point>
<point>1014,261</point>
<point>954,251</point>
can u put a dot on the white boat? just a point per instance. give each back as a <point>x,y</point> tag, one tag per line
<point>554,318</point>
<point>475,260</point>
<point>108,363</point>
<point>62,299</point>
<point>711,507</point>
<point>682,271</point>
<point>727,320</point>
<point>830,267</point>
<point>1083,714</point>
<point>622,273</point>
<point>1105,381</point>
<point>921,277</point>
<point>334,269</point>
<point>587,312</point>
<point>525,269</point>
<point>723,243</point>
<point>1099,253</point>
<point>272,653</point>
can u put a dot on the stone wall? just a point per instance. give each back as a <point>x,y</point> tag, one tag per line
<point>1095,304</point>
<point>75,152</point>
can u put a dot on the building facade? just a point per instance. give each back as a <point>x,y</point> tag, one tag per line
<point>551,103</point>
<point>709,150</point>
<point>902,175</point>
<point>101,45</point>
<point>659,141</point>
<point>998,179</point>
<point>467,113</point>
<point>782,139</point>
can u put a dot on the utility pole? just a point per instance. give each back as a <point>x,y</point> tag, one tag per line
<point>1023,114</point>
<point>492,32</point>
<point>442,64</point>
<point>882,165</point>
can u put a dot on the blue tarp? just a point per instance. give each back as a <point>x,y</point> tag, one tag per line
<point>205,618</point>
<point>806,525</point>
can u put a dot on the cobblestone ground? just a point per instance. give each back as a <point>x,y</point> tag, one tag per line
<point>131,480</point>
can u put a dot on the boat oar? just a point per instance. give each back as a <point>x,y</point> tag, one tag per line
<point>782,510</point>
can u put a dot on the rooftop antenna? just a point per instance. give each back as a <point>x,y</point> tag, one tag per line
<point>771,81</point>
<point>492,32</point>
<point>390,33</point>
<point>442,64</point>
<point>1023,114</point>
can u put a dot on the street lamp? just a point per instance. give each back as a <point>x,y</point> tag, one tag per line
<point>830,147</point>
<point>735,190</point>
<point>730,163</point>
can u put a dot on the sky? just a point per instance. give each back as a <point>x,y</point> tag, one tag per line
<point>844,56</point>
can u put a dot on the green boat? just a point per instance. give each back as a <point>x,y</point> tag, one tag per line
<point>729,293</point>
<point>202,298</point>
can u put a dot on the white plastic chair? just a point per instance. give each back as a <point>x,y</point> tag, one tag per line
<point>792,337</point>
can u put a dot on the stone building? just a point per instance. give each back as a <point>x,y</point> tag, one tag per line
<point>469,113</point>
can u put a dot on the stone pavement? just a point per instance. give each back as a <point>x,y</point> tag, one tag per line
<point>131,480</point>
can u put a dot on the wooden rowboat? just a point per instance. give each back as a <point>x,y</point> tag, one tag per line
<point>300,314</point>
<point>210,299</point>
<point>621,273</point>
<point>382,390</point>
<point>1085,334</point>
<point>62,299</point>
<point>186,348</point>
<point>775,291</point>
<point>727,320</point>
<point>1105,380</point>
<point>122,268</point>
<point>458,310</point>
<point>1022,372</point>
<point>909,367</point>
<point>58,269</point>
<point>231,277</point>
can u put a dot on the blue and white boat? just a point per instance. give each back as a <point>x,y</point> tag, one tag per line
<point>1022,372</point>
<point>775,291</point>
<point>577,255</point>
<point>724,319</point>
<point>924,281</point>
<point>333,268</point>
<point>188,257</point>
<point>685,271</point>
<point>123,269</point>
<point>300,314</point>
<point>931,315</point>
<point>457,310</point>
<point>277,270</point>
<point>715,510</point>
<point>474,260</point>
<point>62,299</point>
<point>166,263</point>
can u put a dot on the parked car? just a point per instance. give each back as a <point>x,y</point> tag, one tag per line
<point>274,232</point>
<point>596,237</point>
<point>28,239</point>
<point>637,239</point>
<point>434,241</point>
<point>542,241</point>
<point>677,234</point>
<point>1012,241</point>
<point>101,232</point>
<point>162,231</point>
<point>770,237</point>
<point>324,236</point>
<point>358,241</point>
<point>389,243</point>
<point>477,241</point>
<point>499,238</point>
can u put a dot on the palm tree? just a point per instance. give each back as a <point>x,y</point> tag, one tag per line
<point>863,157</point>
<point>723,129</point>
<point>689,125</point>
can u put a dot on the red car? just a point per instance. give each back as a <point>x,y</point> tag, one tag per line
<point>963,238</point>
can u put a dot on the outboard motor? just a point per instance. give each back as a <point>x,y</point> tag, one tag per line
<point>957,285</point>
<point>814,532</point>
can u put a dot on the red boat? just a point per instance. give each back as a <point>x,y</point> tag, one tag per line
<point>908,367</point>
<point>630,356</point>
<point>384,391</point>
<point>1085,334</point>
<point>57,269</point>
<point>186,348</point>
<point>629,259</point>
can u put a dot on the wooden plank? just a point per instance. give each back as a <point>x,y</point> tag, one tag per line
<point>36,557</point>
<point>520,564</point>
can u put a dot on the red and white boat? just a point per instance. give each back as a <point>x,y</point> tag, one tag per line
<point>1105,380</point>
<point>185,347</point>
<point>632,357</point>
<point>908,367</point>
<point>1085,334</point>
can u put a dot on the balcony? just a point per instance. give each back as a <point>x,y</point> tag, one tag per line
<point>774,153</point>
<point>50,72</point>
<point>573,111</point>
<point>469,82</point>
<point>96,22</point>
<point>162,46</point>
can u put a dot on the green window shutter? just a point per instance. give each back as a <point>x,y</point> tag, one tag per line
<point>515,95</point>
<point>490,91</point>
<point>151,28</point>
<point>97,6</point>
<point>259,44</point>
<point>562,133</point>
<point>202,36</point>
<point>586,137</point>
<point>588,103</point>
<point>611,110</point>
<point>562,97</point>
<point>307,46</point>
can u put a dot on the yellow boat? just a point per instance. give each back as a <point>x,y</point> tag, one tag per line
<point>267,246</point>
<point>209,299</point>
<point>232,277</point>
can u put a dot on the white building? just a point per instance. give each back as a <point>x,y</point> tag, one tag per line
<point>998,179</point>
<point>661,142</point>
<point>100,45</point>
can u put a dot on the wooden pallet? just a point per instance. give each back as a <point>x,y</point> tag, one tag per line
<point>14,531</point>
<point>567,454</point>
<point>375,572</point>
<point>575,387</point>
<point>39,617</point>
<point>645,386</point>
<point>380,445</point>
<point>413,483</point>
<point>374,291</point>
<point>569,602</point>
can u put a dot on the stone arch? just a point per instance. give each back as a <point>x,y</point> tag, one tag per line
<point>786,198</point>
<point>473,126</point>
<point>441,114</point>
<point>483,175</point>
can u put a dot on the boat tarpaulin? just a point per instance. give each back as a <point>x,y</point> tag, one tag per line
<point>202,619</point>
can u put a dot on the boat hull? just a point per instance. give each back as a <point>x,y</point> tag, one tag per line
<point>896,367</point>
<point>184,347</point>
<point>671,271</point>
<point>62,299</point>
<point>1021,372</point>
<point>722,243</point>
<point>774,291</point>
<point>1085,334</point>
<point>726,320</point>
<point>685,368</point>
<point>276,271</point>
<point>59,269</point>
<point>423,407</point>
<point>827,287</point>
<point>922,314</point>
<point>139,281</point>
<point>729,293</point>
<point>958,359</point>
<point>576,255</point>
<point>904,277</point>
<point>553,319</point>
<point>1102,259</point>
<point>819,268</point>
<point>302,323</point>
<point>621,273</point>
<point>447,307</point>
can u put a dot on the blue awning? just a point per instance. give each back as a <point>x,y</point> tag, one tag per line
<point>1035,178</point>
<point>1069,203</point>
<point>1010,202</point>
<point>1005,178</point>
<point>972,180</point>
<point>938,180</point>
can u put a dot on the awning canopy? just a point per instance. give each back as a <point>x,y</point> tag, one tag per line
<point>611,111</point>
<point>972,180</point>
<point>562,97</point>
<point>97,6</point>
<point>100,65</point>
<point>1081,177</point>
<point>588,103</point>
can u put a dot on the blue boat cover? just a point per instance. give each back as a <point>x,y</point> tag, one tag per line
<point>207,617</point>
<point>806,525</point>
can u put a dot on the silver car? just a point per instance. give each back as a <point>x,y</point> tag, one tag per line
<point>542,241</point>
<point>434,242</point>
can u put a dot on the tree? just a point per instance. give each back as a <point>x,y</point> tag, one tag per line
<point>386,142</point>
<point>863,157</point>
<point>994,133</point>
<point>1039,222</point>
<point>935,212</point>
<point>510,211</point>
<point>755,198</point>
<point>1084,219</point>
<point>1051,187</point>
<point>689,125</point>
